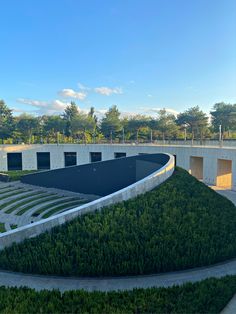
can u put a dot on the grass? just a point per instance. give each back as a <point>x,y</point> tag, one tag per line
<point>61,207</point>
<point>13,194</point>
<point>13,226</point>
<point>4,187</point>
<point>15,175</point>
<point>48,206</point>
<point>25,209</point>
<point>2,227</point>
<point>6,191</point>
<point>18,199</point>
<point>11,209</point>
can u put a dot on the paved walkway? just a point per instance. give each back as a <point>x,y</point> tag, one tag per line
<point>231,195</point>
<point>230,307</point>
<point>38,282</point>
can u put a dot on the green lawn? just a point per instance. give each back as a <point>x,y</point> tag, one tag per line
<point>67,205</point>
<point>40,201</point>
<point>2,227</point>
<point>25,200</point>
<point>15,175</point>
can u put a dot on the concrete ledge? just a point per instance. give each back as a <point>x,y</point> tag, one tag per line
<point>4,177</point>
<point>131,191</point>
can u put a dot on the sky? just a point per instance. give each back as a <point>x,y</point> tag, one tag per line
<point>141,55</point>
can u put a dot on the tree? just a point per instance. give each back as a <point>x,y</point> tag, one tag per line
<point>69,114</point>
<point>138,127</point>
<point>166,124</point>
<point>6,121</point>
<point>52,125</point>
<point>195,119</point>
<point>26,125</point>
<point>92,114</point>
<point>225,115</point>
<point>111,122</point>
<point>81,124</point>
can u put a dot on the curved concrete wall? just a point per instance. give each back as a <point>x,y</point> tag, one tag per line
<point>99,178</point>
<point>210,155</point>
<point>135,189</point>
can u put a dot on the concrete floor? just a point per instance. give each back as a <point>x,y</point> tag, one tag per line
<point>231,195</point>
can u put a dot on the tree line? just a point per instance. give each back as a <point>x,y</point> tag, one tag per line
<point>169,228</point>
<point>74,126</point>
<point>208,296</point>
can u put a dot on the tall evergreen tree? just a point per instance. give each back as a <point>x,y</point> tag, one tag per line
<point>6,121</point>
<point>195,119</point>
<point>111,122</point>
<point>69,115</point>
<point>225,115</point>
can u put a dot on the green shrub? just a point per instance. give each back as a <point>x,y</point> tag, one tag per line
<point>180,224</point>
<point>208,296</point>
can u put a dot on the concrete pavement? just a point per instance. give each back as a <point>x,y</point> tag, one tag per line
<point>40,282</point>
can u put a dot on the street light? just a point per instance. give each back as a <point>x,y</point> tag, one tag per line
<point>220,133</point>
<point>111,136</point>
<point>123,135</point>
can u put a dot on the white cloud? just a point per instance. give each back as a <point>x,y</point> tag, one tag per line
<point>45,107</point>
<point>148,110</point>
<point>107,91</point>
<point>149,95</point>
<point>83,87</point>
<point>70,93</point>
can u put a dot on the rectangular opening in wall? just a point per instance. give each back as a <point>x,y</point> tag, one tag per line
<point>224,173</point>
<point>95,156</point>
<point>119,155</point>
<point>43,161</point>
<point>70,159</point>
<point>14,161</point>
<point>175,159</point>
<point>196,167</point>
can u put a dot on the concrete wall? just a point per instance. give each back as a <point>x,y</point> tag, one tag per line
<point>183,154</point>
<point>196,167</point>
<point>140,187</point>
<point>99,178</point>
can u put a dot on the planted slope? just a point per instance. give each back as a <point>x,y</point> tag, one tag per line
<point>180,224</point>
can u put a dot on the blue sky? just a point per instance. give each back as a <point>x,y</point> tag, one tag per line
<point>141,55</point>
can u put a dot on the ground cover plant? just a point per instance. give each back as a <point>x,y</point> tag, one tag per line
<point>15,175</point>
<point>180,224</point>
<point>208,296</point>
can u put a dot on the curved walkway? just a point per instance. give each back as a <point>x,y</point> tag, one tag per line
<point>40,282</point>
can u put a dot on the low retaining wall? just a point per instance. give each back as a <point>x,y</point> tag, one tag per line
<point>4,177</point>
<point>131,191</point>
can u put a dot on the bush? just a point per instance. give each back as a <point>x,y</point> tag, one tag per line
<point>180,224</point>
<point>208,296</point>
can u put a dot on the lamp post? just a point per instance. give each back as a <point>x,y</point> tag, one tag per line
<point>220,134</point>
<point>123,135</point>
<point>151,136</point>
<point>111,136</point>
<point>185,133</point>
